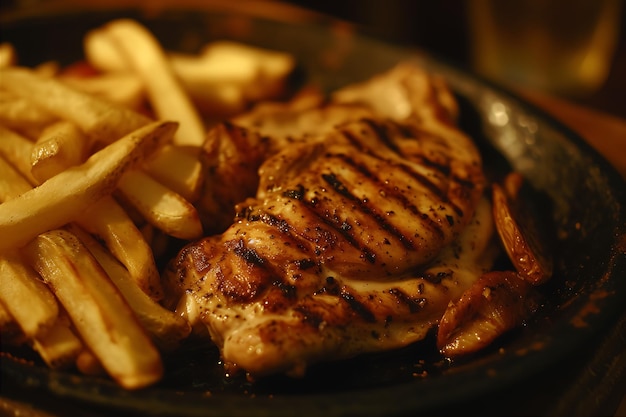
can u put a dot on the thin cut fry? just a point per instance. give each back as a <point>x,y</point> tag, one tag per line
<point>10,332</point>
<point>17,149</point>
<point>60,146</point>
<point>224,79</point>
<point>259,73</point>
<point>167,328</point>
<point>161,206</point>
<point>121,88</point>
<point>65,196</point>
<point>148,60</point>
<point>99,119</point>
<point>102,53</point>
<point>25,297</point>
<point>21,114</point>
<point>59,347</point>
<point>8,56</point>
<point>177,169</point>
<point>48,69</point>
<point>12,183</point>
<point>98,311</point>
<point>5,318</point>
<point>109,222</point>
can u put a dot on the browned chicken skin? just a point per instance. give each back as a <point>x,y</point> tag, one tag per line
<point>358,237</point>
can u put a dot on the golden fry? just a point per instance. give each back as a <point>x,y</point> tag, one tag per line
<point>10,331</point>
<point>101,120</point>
<point>6,320</point>
<point>148,60</point>
<point>96,308</point>
<point>121,88</point>
<point>22,115</point>
<point>59,347</point>
<point>12,183</point>
<point>167,328</point>
<point>65,196</point>
<point>161,206</point>
<point>17,149</point>
<point>109,222</point>
<point>177,169</point>
<point>26,298</point>
<point>8,56</point>
<point>60,146</point>
<point>102,53</point>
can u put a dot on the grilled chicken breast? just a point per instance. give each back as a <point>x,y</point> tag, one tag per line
<point>359,233</point>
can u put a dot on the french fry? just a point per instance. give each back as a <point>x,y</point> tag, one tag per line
<point>259,73</point>
<point>160,206</point>
<point>22,115</point>
<point>60,146</point>
<point>148,60</point>
<point>10,332</point>
<point>177,169</point>
<point>59,347</point>
<point>109,222</point>
<point>18,149</point>
<point>6,320</point>
<point>12,183</point>
<point>224,79</point>
<point>62,198</point>
<point>26,298</point>
<point>121,88</point>
<point>166,327</point>
<point>211,96</point>
<point>48,69</point>
<point>102,53</point>
<point>101,120</point>
<point>96,308</point>
<point>8,56</point>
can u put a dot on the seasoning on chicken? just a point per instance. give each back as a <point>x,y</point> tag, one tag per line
<point>359,234</point>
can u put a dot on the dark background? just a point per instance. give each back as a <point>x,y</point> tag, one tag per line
<point>440,28</point>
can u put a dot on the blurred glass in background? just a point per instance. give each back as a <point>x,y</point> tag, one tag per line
<point>560,46</point>
<point>564,47</point>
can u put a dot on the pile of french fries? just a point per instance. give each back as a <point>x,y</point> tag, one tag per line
<point>99,170</point>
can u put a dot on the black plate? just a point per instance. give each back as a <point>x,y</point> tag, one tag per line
<point>542,360</point>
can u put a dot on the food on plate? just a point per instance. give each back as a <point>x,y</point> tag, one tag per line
<point>60,145</point>
<point>111,224</point>
<point>28,300</point>
<point>344,248</point>
<point>223,79</point>
<point>148,61</point>
<point>524,237</point>
<point>495,303</point>
<point>165,326</point>
<point>98,311</point>
<point>150,197</point>
<point>100,120</point>
<point>66,195</point>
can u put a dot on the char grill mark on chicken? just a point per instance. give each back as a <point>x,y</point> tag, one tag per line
<point>372,202</point>
<point>356,240</point>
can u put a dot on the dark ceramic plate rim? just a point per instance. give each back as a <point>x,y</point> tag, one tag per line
<point>605,293</point>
